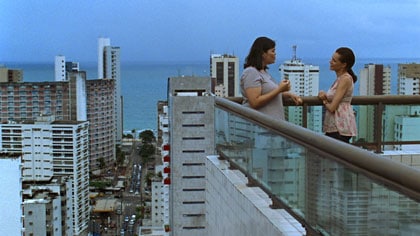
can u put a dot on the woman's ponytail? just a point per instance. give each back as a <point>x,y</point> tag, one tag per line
<point>350,71</point>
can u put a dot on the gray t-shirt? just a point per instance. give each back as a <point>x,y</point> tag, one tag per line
<point>252,78</point>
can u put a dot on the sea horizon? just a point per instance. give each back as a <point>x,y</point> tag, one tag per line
<point>145,83</point>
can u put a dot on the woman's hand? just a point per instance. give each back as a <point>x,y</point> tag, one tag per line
<point>295,98</point>
<point>284,85</point>
<point>291,96</point>
<point>322,95</point>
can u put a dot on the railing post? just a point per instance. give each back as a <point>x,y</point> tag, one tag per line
<point>305,115</point>
<point>378,127</point>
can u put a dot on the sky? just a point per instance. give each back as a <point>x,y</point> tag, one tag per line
<point>190,30</point>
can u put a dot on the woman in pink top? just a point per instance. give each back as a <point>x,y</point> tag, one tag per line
<point>339,121</point>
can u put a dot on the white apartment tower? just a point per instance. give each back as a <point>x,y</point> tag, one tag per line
<point>224,69</point>
<point>304,80</point>
<point>11,197</point>
<point>55,148</point>
<point>191,124</point>
<point>61,68</point>
<point>102,43</point>
<point>109,68</point>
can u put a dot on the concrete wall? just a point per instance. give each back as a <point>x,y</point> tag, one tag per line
<point>234,209</point>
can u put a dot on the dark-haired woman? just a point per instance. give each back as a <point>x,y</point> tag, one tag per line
<point>339,121</point>
<point>258,87</point>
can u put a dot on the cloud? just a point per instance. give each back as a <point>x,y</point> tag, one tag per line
<point>190,30</point>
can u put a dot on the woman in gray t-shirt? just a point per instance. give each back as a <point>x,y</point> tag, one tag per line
<point>259,89</point>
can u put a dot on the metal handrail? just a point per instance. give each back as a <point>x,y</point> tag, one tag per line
<point>394,175</point>
<point>378,101</point>
<point>356,100</point>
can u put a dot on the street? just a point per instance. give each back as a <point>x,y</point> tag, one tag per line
<point>126,218</point>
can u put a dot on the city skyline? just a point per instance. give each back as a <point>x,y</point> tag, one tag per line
<point>190,31</point>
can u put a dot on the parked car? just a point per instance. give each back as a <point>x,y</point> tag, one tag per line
<point>131,222</point>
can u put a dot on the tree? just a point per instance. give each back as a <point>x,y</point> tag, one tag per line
<point>146,150</point>
<point>101,163</point>
<point>147,136</point>
<point>129,136</point>
<point>120,155</point>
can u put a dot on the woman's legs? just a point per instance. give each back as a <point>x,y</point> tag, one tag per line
<point>338,136</point>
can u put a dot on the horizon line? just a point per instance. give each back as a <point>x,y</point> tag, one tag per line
<point>4,63</point>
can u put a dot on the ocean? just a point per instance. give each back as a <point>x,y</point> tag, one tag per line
<point>145,83</point>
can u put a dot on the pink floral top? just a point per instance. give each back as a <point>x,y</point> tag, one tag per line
<point>342,120</point>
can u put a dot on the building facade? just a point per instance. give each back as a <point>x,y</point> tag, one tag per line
<point>27,100</point>
<point>374,79</point>
<point>55,148</point>
<point>11,183</point>
<point>10,75</point>
<point>43,208</point>
<point>191,124</point>
<point>62,67</point>
<point>109,68</point>
<point>75,99</point>
<point>224,69</point>
<point>100,113</point>
<point>304,81</point>
<point>409,79</point>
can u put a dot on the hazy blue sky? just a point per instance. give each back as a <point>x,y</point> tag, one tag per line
<point>189,30</point>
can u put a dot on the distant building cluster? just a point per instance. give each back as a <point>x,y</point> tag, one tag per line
<point>375,79</point>
<point>61,132</point>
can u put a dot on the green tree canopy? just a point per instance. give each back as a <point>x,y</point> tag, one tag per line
<point>147,136</point>
<point>146,150</point>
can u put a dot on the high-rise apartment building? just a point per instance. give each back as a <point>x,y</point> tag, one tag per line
<point>100,113</point>
<point>374,79</point>
<point>224,69</point>
<point>75,99</point>
<point>54,148</point>
<point>406,126</point>
<point>409,79</point>
<point>304,81</point>
<point>109,68</point>
<point>191,124</point>
<point>102,43</point>
<point>28,100</point>
<point>62,67</point>
<point>10,75</point>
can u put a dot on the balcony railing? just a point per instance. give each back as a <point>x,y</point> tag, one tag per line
<point>331,187</point>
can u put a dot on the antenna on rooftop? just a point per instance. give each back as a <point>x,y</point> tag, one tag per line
<point>294,58</point>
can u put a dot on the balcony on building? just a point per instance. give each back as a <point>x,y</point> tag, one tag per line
<point>295,181</point>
